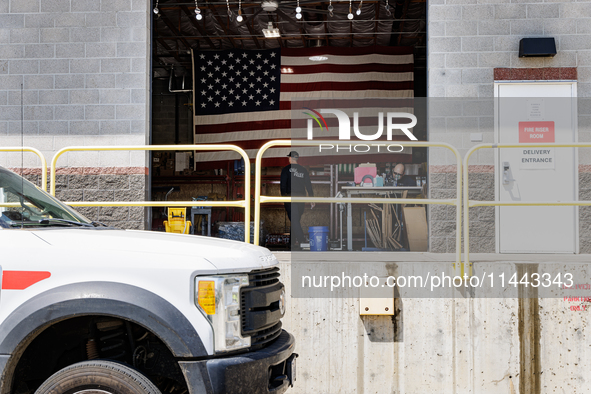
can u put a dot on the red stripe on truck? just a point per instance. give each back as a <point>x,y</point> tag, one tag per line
<point>20,280</point>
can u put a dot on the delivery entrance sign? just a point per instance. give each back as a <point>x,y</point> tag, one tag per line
<point>533,133</point>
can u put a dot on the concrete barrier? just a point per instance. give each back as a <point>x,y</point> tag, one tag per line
<point>511,345</point>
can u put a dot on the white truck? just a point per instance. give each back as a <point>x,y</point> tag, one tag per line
<point>86,308</point>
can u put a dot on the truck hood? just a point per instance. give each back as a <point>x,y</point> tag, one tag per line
<point>224,255</point>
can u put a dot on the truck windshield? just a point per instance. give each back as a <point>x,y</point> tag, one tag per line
<point>22,204</point>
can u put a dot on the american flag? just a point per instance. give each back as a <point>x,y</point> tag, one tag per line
<point>237,81</point>
<point>248,97</point>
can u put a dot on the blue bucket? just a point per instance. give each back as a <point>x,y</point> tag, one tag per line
<point>318,238</point>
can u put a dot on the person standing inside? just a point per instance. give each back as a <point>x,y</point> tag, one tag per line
<point>401,179</point>
<point>295,181</point>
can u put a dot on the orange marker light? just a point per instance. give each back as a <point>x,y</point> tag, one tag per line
<point>206,296</point>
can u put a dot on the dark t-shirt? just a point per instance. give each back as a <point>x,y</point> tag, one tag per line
<point>407,180</point>
<point>295,180</point>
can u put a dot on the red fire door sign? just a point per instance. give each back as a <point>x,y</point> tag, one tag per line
<point>536,132</point>
<point>536,158</point>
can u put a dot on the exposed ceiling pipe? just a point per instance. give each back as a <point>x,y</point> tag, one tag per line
<point>183,90</point>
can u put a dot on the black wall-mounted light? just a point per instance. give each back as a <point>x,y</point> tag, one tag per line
<point>537,47</point>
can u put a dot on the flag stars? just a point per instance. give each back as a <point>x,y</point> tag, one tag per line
<point>273,54</point>
<point>272,90</point>
<point>243,103</point>
<point>210,98</point>
<point>231,91</point>
<point>217,92</point>
<point>251,85</point>
<point>209,63</point>
<point>231,79</point>
<point>224,86</point>
<point>258,91</point>
<point>203,105</point>
<point>251,61</point>
<point>245,67</point>
<point>217,80</point>
<point>216,56</point>
<point>224,74</point>
<point>210,75</point>
<point>203,68</point>
<point>259,79</point>
<point>224,62</point>
<point>251,97</point>
<point>265,85</point>
<point>272,102</point>
<point>265,96</point>
<point>217,104</point>
<point>257,102</point>
<point>224,98</point>
<point>244,55</point>
<point>201,56</point>
<point>244,91</point>
<point>272,78</point>
<point>259,67</point>
<point>259,55</point>
<point>252,73</point>
<point>217,68</point>
<point>203,92</point>
<point>231,67</point>
<point>210,86</point>
<point>265,73</point>
<point>230,103</point>
<point>238,84</point>
<point>272,67</point>
<point>238,72</point>
<point>266,61</point>
<point>203,80</point>
<point>230,54</point>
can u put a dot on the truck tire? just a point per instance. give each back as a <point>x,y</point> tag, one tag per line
<point>97,377</point>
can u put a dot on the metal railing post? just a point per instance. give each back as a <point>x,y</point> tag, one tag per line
<point>259,199</point>
<point>38,153</point>
<point>478,203</point>
<point>240,203</point>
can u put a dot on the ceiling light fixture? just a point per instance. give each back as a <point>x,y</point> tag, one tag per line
<point>350,15</point>
<point>229,11</point>
<point>239,17</point>
<point>298,11</point>
<point>156,10</point>
<point>269,5</point>
<point>388,8</point>
<point>330,8</point>
<point>198,15</point>
<point>358,12</point>
<point>271,32</point>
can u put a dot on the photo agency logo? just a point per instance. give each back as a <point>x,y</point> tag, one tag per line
<point>344,130</point>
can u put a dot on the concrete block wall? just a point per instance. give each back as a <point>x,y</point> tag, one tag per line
<point>468,39</point>
<point>454,120</point>
<point>83,70</point>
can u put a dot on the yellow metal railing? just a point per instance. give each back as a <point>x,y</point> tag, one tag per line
<point>237,203</point>
<point>260,199</point>
<point>478,203</point>
<point>38,153</point>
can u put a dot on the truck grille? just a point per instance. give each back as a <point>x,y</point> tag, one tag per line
<point>261,314</point>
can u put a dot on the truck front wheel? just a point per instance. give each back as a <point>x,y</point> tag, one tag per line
<point>97,376</point>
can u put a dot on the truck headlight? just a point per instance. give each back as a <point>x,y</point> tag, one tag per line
<point>218,298</point>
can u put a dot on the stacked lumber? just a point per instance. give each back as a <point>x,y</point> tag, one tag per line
<point>384,227</point>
